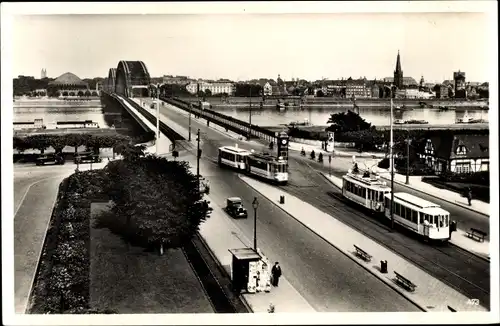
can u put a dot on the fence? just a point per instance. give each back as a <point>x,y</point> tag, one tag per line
<point>230,123</point>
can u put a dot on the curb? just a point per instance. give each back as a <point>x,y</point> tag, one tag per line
<point>349,255</point>
<point>219,265</point>
<point>462,248</point>
<point>440,198</point>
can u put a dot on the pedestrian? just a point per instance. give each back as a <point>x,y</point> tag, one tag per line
<point>276,272</point>
<point>469,196</point>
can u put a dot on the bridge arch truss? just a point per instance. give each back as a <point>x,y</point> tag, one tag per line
<point>132,79</point>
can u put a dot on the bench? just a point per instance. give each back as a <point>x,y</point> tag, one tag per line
<point>363,254</point>
<point>476,234</point>
<point>403,281</point>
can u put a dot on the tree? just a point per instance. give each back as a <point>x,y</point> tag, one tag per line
<point>20,144</point>
<point>40,142</point>
<point>75,140</point>
<point>129,151</point>
<point>200,94</point>
<point>80,93</point>
<point>94,93</point>
<point>208,92</point>
<point>58,143</point>
<point>350,121</point>
<point>87,93</point>
<point>71,93</point>
<point>158,199</point>
<point>65,93</point>
<point>320,93</point>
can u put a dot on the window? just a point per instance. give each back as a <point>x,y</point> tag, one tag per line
<point>414,216</point>
<point>462,167</point>
<point>421,218</point>
<point>461,150</point>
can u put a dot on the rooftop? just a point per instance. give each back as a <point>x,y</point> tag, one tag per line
<point>68,79</point>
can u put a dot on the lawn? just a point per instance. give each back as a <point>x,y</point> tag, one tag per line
<point>137,281</point>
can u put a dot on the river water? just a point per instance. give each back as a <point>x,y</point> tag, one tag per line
<point>375,116</point>
<point>262,117</point>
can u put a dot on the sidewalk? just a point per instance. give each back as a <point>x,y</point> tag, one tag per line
<point>459,238</point>
<point>430,294</point>
<point>344,152</point>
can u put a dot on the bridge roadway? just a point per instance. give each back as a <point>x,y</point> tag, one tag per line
<point>465,272</point>
<point>325,277</point>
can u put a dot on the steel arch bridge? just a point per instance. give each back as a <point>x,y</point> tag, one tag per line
<point>111,79</point>
<point>132,78</point>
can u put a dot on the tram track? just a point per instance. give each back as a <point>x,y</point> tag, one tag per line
<point>461,270</point>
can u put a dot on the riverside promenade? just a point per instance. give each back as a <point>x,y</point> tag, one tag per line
<point>430,294</point>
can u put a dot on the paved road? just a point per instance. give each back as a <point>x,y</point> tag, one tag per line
<point>35,192</point>
<point>326,278</point>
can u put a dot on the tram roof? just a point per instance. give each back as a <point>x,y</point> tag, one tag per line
<point>368,181</point>
<point>422,204</point>
<point>235,149</point>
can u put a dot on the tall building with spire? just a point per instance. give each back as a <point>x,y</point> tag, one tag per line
<point>398,74</point>
<point>44,74</point>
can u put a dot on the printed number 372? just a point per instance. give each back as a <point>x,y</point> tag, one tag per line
<point>473,302</point>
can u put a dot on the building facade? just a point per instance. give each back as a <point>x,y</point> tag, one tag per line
<point>460,86</point>
<point>460,154</point>
<point>442,91</point>
<point>357,88</point>
<point>214,87</point>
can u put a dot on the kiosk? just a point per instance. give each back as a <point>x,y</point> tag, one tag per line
<point>243,259</point>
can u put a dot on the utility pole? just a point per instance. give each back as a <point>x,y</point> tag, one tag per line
<point>155,96</point>
<point>391,162</point>
<point>250,117</point>
<point>198,155</point>
<point>408,158</point>
<point>190,107</point>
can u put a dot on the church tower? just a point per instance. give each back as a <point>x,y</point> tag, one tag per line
<point>398,74</point>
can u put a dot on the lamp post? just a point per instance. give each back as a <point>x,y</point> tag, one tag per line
<point>255,205</point>
<point>190,108</point>
<point>391,162</point>
<point>250,115</point>
<point>408,158</point>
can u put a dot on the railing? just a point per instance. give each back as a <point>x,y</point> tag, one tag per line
<point>230,123</point>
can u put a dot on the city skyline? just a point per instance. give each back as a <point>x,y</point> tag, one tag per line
<point>237,48</point>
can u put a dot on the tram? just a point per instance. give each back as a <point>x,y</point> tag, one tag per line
<point>233,157</point>
<point>264,166</point>
<point>419,215</point>
<point>267,167</point>
<point>365,189</point>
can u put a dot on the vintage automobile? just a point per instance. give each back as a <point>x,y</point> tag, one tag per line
<point>50,159</point>
<point>235,208</point>
<point>87,157</point>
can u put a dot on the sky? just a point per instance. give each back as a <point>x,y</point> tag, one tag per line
<point>246,46</point>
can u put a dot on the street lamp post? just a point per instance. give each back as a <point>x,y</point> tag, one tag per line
<point>250,116</point>
<point>408,158</point>
<point>391,162</point>
<point>190,108</point>
<point>255,205</point>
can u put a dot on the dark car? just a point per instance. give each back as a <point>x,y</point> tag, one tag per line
<point>87,157</point>
<point>50,159</point>
<point>235,208</point>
